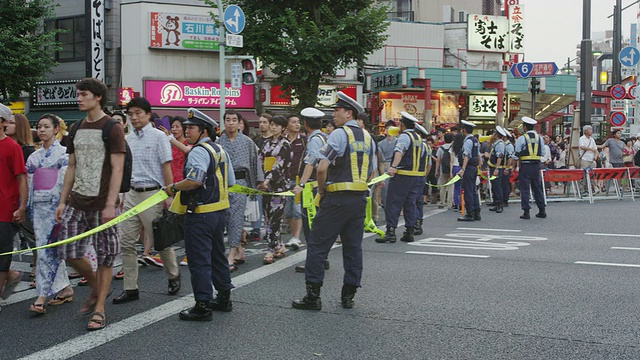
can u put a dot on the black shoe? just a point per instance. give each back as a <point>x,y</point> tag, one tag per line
<point>300,268</point>
<point>174,285</point>
<point>312,300</point>
<point>505,204</point>
<point>222,302</point>
<point>348,293</point>
<point>407,236</point>
<point>466,217</point>
<point>200,312</point>
<point>525,215</point>
<point>326,265</point>
<point>418,228</point>
<point>126,296</point>
<point>493,203</point>
<point>541,214</point>
<point>497,209</point>
<point>389,236</point>
<point>476,215</point>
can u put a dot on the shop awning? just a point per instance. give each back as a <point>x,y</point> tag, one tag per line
<point>548,107</point>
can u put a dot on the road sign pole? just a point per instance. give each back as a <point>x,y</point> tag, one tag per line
<point>223,87</point>
<point>534,91</point>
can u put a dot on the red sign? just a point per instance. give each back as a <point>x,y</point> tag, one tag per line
<point>563,175</point>
<point>617,118</point>
<point>618,92</point>
<point>631,92</point>
<point>326,94</point>
<point>125,94</point>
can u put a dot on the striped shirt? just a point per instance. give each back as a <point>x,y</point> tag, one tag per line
<point>150,149</point>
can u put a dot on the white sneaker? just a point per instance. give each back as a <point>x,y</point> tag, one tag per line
<point>294,243</point>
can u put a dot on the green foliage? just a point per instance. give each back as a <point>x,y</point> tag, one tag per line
<point>25,47</point>
<point>300,40</point>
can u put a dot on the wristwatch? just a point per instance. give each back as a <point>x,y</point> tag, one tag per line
<point>173,189</point>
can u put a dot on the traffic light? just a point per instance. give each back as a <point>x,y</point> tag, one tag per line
<point>248,71</point>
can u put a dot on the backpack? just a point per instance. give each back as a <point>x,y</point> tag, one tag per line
<point>125,185</point>
<point>636,158</point>
<point>445,162</point>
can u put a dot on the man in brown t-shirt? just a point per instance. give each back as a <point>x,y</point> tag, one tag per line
<point>89,196</point>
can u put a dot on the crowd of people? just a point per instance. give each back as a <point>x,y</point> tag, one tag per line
<point>71,181</point>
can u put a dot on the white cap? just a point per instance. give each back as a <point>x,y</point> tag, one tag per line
<point>467,123</point>
<point>408,116</point>
<point>5,112</point>
<point>528,120</point>
<point>197,117</point>
<point>312,113</point>
<point>501,131</point>
<point>421,129</point>
<point>344,101</point>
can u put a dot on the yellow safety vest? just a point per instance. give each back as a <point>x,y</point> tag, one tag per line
<point>358,176</point>
<point>532,147</point>
<point>223,189</point>
<point>416,158</point>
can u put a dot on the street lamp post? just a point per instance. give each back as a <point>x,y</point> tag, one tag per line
<point>586,71</point>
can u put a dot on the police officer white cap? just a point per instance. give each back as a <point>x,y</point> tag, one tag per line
<point>501,131</point>
<point>312,113</point>
<point>528,120</point>
<point>344,101</point>
<point>406,116</point>
<point>197,117</point>
<point>5,112</point>
<point>421,129</point>
<point>638,136</point>
<point>467,123</point>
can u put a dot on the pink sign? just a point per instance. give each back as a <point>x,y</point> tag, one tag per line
<point>163,93</point>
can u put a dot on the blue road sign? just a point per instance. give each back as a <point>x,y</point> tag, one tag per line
<point>234,19</point>
<point>617,119</point>
<point>527,69</point>
<point>629,56</point>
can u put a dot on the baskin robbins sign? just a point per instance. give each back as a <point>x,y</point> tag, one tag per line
<point>163,93</point>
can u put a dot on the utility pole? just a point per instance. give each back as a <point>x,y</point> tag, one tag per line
<point>223,61</point>
<point>534,90</point>
<point>586,71</point>
<point>617,41</point>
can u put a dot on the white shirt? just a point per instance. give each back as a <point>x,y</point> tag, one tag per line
<point>546,156</point>
<point>589,143</point>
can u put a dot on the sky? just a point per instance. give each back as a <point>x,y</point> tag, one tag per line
<point>554,27</point>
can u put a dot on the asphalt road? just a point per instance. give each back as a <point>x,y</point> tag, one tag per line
<point>564,287</point>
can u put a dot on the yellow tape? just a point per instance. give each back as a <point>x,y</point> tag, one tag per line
<point>453,180</point>
<point>378,179</point>
<point>484,177</point>
<point>156,198</point>
<point>239,189</point>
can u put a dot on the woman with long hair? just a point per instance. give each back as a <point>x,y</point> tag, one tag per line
<point>456,162</point>
<point>45,175</point>
<point>276,159</point>
<point>19,130</point>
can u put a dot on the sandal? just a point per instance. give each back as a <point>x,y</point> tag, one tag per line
<point>59,300</point>
<point>83,282</point>
<point>238,261</point>
<point>101,321</point>
<point>280,252</point>
<point>119,275</point>
<point>268,258</point>
<point>38,309</point>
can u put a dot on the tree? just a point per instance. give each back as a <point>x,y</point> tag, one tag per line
<point>25,46</point>
<point>300,40</point>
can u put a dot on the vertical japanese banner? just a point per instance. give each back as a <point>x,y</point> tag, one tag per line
<point>96,24</point>
<point>516,29</point>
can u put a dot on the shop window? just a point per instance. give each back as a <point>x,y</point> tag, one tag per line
<point>72,39</point>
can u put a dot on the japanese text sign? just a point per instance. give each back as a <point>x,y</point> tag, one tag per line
<point>55,93</point>
<point>483,106</point>
<point>96,62</point>
<point>196,94</point>
<point>183,32</point>
<point>497,33</point>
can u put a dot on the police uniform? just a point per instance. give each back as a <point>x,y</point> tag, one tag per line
<point>406,186</point>
<point>204,220</point>
<point>529,149</point>
<point>471,151</point>
<point>497,152</point>
<point>419,205</point>
<point>509,151</point>
<point>350,152</point>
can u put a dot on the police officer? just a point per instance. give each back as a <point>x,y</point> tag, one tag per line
<point>509,153</point>
<point>203,196</point>
<point>347,161</point>
<point>408,171</point>
<point>419,204</point>
<point>496,167</point>
<point>312,118</point>
<point>530,148</point>
<point>469,172</point>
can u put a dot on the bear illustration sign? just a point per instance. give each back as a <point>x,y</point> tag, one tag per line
<point>183,32</point>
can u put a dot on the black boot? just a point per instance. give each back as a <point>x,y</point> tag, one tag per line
<point>222,302</point>
<point>348,292</point>
<point>407,236</point>
<point>541,213</point>
<point>466,217</point>
<point>476,215</point>
<point>312,300</point>
<point>389,236</point>
<point>418,228</point>
<point>200,312</point>
<point>525,215</point>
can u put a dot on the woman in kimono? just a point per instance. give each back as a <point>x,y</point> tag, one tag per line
<point>276,159</point>
<point>45,174</point>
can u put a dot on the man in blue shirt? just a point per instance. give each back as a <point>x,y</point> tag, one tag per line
<point>469,172</point>
<point>529,149</point>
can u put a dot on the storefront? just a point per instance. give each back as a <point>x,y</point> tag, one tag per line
<point>55,97</point>
<point>274,99</point>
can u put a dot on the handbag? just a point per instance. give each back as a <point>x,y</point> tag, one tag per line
<point>252,211</point>
<point>168,229</point>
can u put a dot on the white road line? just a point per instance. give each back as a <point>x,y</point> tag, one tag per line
<point>483,229</point>
<point>622,235</point>
<point>606,264</point>
<point>114,331</point>
<point>623,248</point>
<point>446,254</point>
